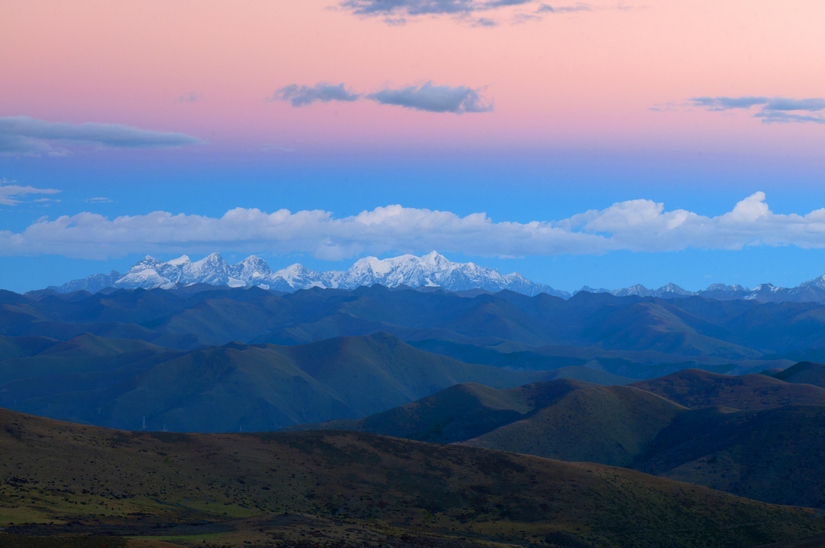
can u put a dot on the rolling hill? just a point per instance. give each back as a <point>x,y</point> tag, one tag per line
<point>457,413</point>
<point>768,451</point>
<point>804,372</point>
<point>692,328</point>
<point>609,425</point>
<point>769,455</point>
<point>694,388</point>
<point>134,384</point>
<point>323,488</point>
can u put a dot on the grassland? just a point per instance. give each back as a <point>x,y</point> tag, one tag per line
<point>351,489</point>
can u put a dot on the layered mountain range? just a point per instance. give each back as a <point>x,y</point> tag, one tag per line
<point>431,270</point>
<point>493,391</point>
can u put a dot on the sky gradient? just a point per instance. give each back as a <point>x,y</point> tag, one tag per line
<point>598,143</point>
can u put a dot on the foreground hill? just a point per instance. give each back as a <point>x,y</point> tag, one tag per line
<point>769,450</point>
<point>353,488</point>
<point>133,384</point>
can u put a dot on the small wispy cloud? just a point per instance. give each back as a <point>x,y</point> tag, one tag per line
<point>301,96</point>
<point>773,110</point>
<point>400,11</point>
<point>191,98</point>
<point>727,103</point>
<point>547,8</point>
<point>484,22</point>
<point>426,97</point>
<point>98,200</point>
<point>13,194</point>
<point>26,136</point>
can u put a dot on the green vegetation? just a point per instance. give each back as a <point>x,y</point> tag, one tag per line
<point>753,436</point>
<point>273,488</point>
<point>28,541</point>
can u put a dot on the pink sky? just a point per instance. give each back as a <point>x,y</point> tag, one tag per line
<point>569,79</point>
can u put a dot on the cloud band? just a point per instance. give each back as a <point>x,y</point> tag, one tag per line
<point>636,225</point>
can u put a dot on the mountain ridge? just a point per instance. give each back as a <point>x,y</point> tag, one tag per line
<point>430,270</point>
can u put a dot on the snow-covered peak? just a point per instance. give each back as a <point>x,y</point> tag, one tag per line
<point>147,262</point>
<point>434,258</point>
<point>182,260</point>
<point>292,271</point>
<point>211,260</point>
<point>816,282</point>
<point>432,269</point>
<point>727,288</point>
<point>251,268</point>
<point>638,290</point>
<point>588,289</point>
<point>673,289</point>
<point>765,287</point>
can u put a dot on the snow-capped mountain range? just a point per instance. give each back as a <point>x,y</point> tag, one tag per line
<point>431,270</point>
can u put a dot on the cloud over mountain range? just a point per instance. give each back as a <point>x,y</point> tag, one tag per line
<point>634,225</point>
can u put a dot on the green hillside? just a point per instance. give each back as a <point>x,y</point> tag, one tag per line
<point>353,489</point>
<point>458,413</point>
<point>607,425</point>
<point>772,455</point>
<point>133,384</point>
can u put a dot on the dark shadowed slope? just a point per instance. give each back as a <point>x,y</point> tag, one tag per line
<point>694,388</point>
<point>804,372</point>
<point>56,473</point>
<point>771,455</point>
<point>457,413</point>
<point>563,419</point>
<point>608,425</point>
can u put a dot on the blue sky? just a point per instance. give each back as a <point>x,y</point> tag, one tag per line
<point>517,186</point>
<point>596,144</point>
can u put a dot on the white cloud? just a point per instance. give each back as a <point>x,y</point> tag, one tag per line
<point>637,225</point>
<point>11,194</point>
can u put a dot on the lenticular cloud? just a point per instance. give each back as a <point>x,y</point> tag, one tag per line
<point>636,225</point>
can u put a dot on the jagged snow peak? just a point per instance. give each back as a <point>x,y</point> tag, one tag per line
<point>432,269</point>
